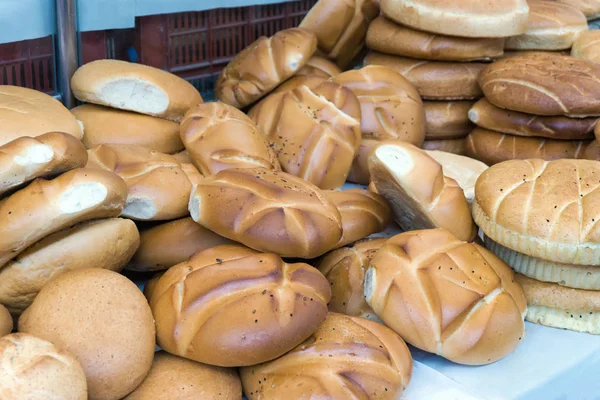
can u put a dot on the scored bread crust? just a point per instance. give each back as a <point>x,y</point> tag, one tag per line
<point>587,46</point>
<point>447,119</point>
<point>321,67</point>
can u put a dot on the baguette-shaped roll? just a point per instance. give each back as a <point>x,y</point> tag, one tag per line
<point>47,155</point>
<point>45,207</point>
<point>267,211</point>
<point>420,195</point>
<point>134,87</point>
<point>6,321</point>
<point>320,66</point>
<point>455,146</point>
<point>447,119</point>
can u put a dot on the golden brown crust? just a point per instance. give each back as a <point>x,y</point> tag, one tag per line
<point>553,295</point>
<point>183,157</point>
<point>592,151</point>
<point>590,8</point>
<point>6,321</point>
<point>359,172</point>
<point>447,119</point>
<point>321,67</point>
<point>455,146</point>
<point>587,46</point>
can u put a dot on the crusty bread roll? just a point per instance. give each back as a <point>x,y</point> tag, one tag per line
<point>45,156</point>
<point>377,360</point>
<point>587,46</point>
<point>341,27</point>
<point>32,368</point>
<point>104,320</point>
<point>543,84</point>
<point>446,296</point>
<point>447,119</point>
<point>173,378</point>
<point>296,81</point>
<point>345,270</point>
<point>232,306</point>
<point>171,243</point>
<point>6,321</point>
<point>494,147</point>
<point>320,66</point>
<point>263,65</point>
<point>183,157</point>
<point>387,37</point>
<point>151,284</point>
<point>268,211</point>
<point>466,18</point>
<point>45,207</point>
<point>589,8</point>
<point>434,80</point>
<point>104,125</point>
<point>28,112</point>
<point>315,132</point>
<point>359,172</point>
<point>114,242</point>
<point>488,116</point>
<point>455,146</point>
<point>218,136</point>
<point>158,185</point>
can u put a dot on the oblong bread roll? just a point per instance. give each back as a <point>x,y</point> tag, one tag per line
<point>456,146</point>
<point>447,119</point>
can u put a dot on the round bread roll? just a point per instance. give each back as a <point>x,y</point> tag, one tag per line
<point>134,87</point>
<point>263,65</point>
<point>104,320</point>
<point>486,115</point>
<point>28,112</point>
<point>359,172</point>
<point>387,37</point>
<point>45,156</point>
<point>455,146</point>
<point>543,84</point>
<point>447,119</point>
<point>377,360</point>
<point>171,243</point>
<point>151,285</point>
<point>231,306</point>
<point>320,66</point>
<point>114,241</point>
<point>6,321</point>
<point>494,147</point>
<point>587,46</point>
<point>32,368</point>
<point>592,151</point>
<point>589,8</point>
<point>420,196</point>
<point>174,378</point>
<point>434,80</point>
<point>45,207</point>
<point>345,270</point>
<point>104,125</point>
<point>467,18</point>
<point>446,296</point>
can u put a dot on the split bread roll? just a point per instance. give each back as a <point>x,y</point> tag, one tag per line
<point>113,243</point>
<point>134,87</point>
<point>455,146</point>
<point>320,66</point>
<point>267,211</point>
<point>590,8</point>
<point>264,64</point>
<point>231,306</point>
<point>486,115</point>
<point>377,359</point>
<point>467,18</point>
<point>33,368</point>
<point>28,112</point>
<point>388,37</point>
<point>587,46</point>
<point>434,80</point>
<point>6,321</point>
<point>104,125</point>
<point>447,119</point>
<point>45,156</point>
<point>420,196</point>
<point>45,207</point>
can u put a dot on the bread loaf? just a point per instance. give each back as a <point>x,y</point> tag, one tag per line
<point>6,321</point>
<point>45,156</point>
<point>587,46</point>
<point>320,66</point>
<point>232,306</point>
<point>268,211</point>
<point>590,8</point>
<point>359,172</point>
<point>447,119</point>
<point>455,146</point>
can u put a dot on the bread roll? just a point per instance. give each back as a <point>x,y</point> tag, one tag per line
<point>183,157</point>
<point>296,81</point>
<point>587,46</point>
<point>114,242</point>
<point>447,119</point>
<point>543,84</point>
<point>47,155</point>
<point>494,147</point>
<point>592,151</point>
<point>467,18</point>
<point>387,37</point>
<point>420,196</point>
<point>263,65</point>
<point>32,368</point>
<point>590,8</point>
<point>320,66</point>
<point>488,116</point>
<point>28,112</point>
<point>359,172</point>
<point>455,146</point>
<point>151,285</point>
<point>158,185</point>
<point>232,306</point>
<point>104,320</point>
<point>434,80</point>
<point>314,132</point>
<point>6,321</point>
<point>170,243</point>
<point>45,207</point>
<point>267,211</point>
<point>345,270</point>
<point>526,53</point>
<point>104,125</point>
<point>320,367</point>
<point>363,213</point>
<point>341,27</point>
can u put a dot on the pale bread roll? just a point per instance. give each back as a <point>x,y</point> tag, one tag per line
<point>320,66</point>
<point>455,146</point>
<point>587,46</point>
<point>6,321</point>
<point>447,119</point>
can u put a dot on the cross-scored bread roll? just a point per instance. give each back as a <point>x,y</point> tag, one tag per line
<point>446,296</point>
<point>232,306</point>
<point>320,66</point>
<point>346,358</point>
<point>47,155</point>
<point>447,119</point>
<point>6,321</point>
<point>267,211</point>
